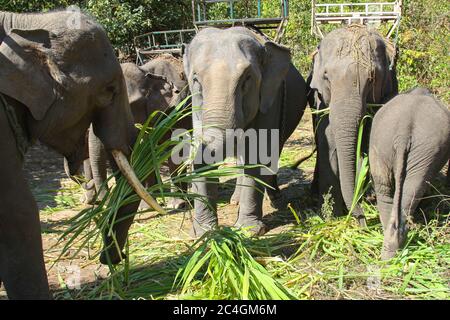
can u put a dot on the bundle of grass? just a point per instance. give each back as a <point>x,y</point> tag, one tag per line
<point>221,267</point>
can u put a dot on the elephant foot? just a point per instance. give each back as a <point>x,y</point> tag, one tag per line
<point>360,217</point>
<point>277,200</point>
<point>178,204</point>
<point>387,254</point>
<point>89,193</point>
<point>389,250</point>
<point>253,228</point>
<point>199,229</point>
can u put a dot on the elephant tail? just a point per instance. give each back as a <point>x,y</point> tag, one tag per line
<point>302,159</point>
<point>401,151</point>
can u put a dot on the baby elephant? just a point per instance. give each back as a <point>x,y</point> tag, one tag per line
<point>409,144</point>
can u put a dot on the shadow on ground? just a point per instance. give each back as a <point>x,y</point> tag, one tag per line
<point>44,171</point>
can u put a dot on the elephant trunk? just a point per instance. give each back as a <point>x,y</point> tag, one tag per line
<point>97,157</point>
<point>345,117</point>
<point>220,116</point>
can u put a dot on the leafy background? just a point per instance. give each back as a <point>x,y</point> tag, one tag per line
<point>423,39</point>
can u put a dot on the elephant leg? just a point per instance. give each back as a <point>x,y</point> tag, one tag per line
<point>205,216</point>
<point>250,206</point>
<point>89,185</point>
<point>98,161</point>
<point>237,192</point>
<point>315,180</point>
<point>252,192</point>
<point>329,188</point>
<point>328,171</point>
<point>406,200</point>
<point>177,203</point>
<point>22,267</point>
<point>385,201</point>
<point>113,245</point>
<point>411,178</point>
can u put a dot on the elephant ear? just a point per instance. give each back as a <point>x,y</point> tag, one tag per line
<point>27,73</point>
<point>315,78</point>
<point>186,64</point>
<point>276,64</point>
<point>135,81</point>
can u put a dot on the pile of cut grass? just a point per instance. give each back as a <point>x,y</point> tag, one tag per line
<point>227,270</point>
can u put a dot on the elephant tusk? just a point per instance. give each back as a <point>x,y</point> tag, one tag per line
<point>127,171</point>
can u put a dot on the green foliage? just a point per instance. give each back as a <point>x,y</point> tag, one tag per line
<point>424,46</point>
<point>124,20</point>
<point>36,5</point>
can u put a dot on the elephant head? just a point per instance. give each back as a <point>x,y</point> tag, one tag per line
<point>154,86</point>
<point>175,90</point>
<point>233,75</point>
<point>62,79</point>
<point>352,67</point>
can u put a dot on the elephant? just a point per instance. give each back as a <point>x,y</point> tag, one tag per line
<point>353,66</point>
<point>409,145</point>
<point>240,81</point>
<point>155,86</point>
<point>54,81</point>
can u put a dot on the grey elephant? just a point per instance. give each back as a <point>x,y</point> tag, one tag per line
<point>353,66</point>
<point>54,81</point>
<point>239,80</point>
<point>155,86</point>
<point>409,144</point>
